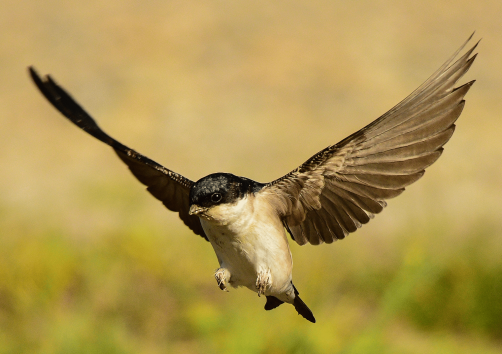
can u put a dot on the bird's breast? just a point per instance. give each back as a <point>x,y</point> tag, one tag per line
<point>248,238</point>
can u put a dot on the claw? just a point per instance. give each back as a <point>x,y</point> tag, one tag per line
<point>263,281</point>
<point>222,286</point>
<point>222,275</point>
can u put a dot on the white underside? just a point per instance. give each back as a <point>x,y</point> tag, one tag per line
<point>249,238</point>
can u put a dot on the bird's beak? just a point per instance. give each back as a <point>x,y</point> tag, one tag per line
<point>195,210</point>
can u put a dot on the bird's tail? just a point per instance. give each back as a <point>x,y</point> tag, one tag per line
<point>272,303</point>
<point>302,308</point>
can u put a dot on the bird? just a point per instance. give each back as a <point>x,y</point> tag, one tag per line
<point>330,195</point>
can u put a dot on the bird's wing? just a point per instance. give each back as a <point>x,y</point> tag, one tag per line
<point>341,187</point>
<point>169,187</point>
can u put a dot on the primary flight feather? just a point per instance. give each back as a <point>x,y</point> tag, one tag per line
<point>329,196</point>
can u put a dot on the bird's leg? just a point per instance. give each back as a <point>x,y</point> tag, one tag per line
<point>263,281</point>
<point>222,276</point>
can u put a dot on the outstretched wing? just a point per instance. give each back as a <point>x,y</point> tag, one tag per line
<point>340,188</point>
<point>169,187</point>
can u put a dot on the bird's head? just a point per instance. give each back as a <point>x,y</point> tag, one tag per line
<point>219,189</point>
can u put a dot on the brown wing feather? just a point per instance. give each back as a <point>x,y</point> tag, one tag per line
<point>340,188</point>
<point>167,186</point>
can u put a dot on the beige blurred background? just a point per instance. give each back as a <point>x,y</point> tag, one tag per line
<point>90,262</point>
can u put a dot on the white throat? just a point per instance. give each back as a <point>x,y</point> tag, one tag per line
<point>239,212</point>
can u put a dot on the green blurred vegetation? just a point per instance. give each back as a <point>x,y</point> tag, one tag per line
<point>89,262</point>
<point>146,289</point>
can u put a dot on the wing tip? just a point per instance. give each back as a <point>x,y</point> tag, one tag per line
<point>39,82</point>
<point>467,86</point>
<point>32,71</point>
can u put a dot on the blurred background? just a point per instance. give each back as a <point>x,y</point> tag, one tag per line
<point>90,262</point>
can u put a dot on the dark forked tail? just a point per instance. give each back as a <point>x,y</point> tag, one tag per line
<point>300,306</point>
<point>303,309</point>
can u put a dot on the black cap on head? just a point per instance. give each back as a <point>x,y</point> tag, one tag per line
<point>221,188</point>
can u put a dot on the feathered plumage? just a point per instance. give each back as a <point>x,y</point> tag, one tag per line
<point>332,194</point>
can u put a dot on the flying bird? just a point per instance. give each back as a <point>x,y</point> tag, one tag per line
<point>332,194</point>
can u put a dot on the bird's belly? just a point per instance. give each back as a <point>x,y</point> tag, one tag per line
<point>248,251</point>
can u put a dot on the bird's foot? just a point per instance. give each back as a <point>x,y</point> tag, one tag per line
<point>263,281</point>
<point>222,276</point>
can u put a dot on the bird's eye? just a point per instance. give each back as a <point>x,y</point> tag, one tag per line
<point>216,197</point>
